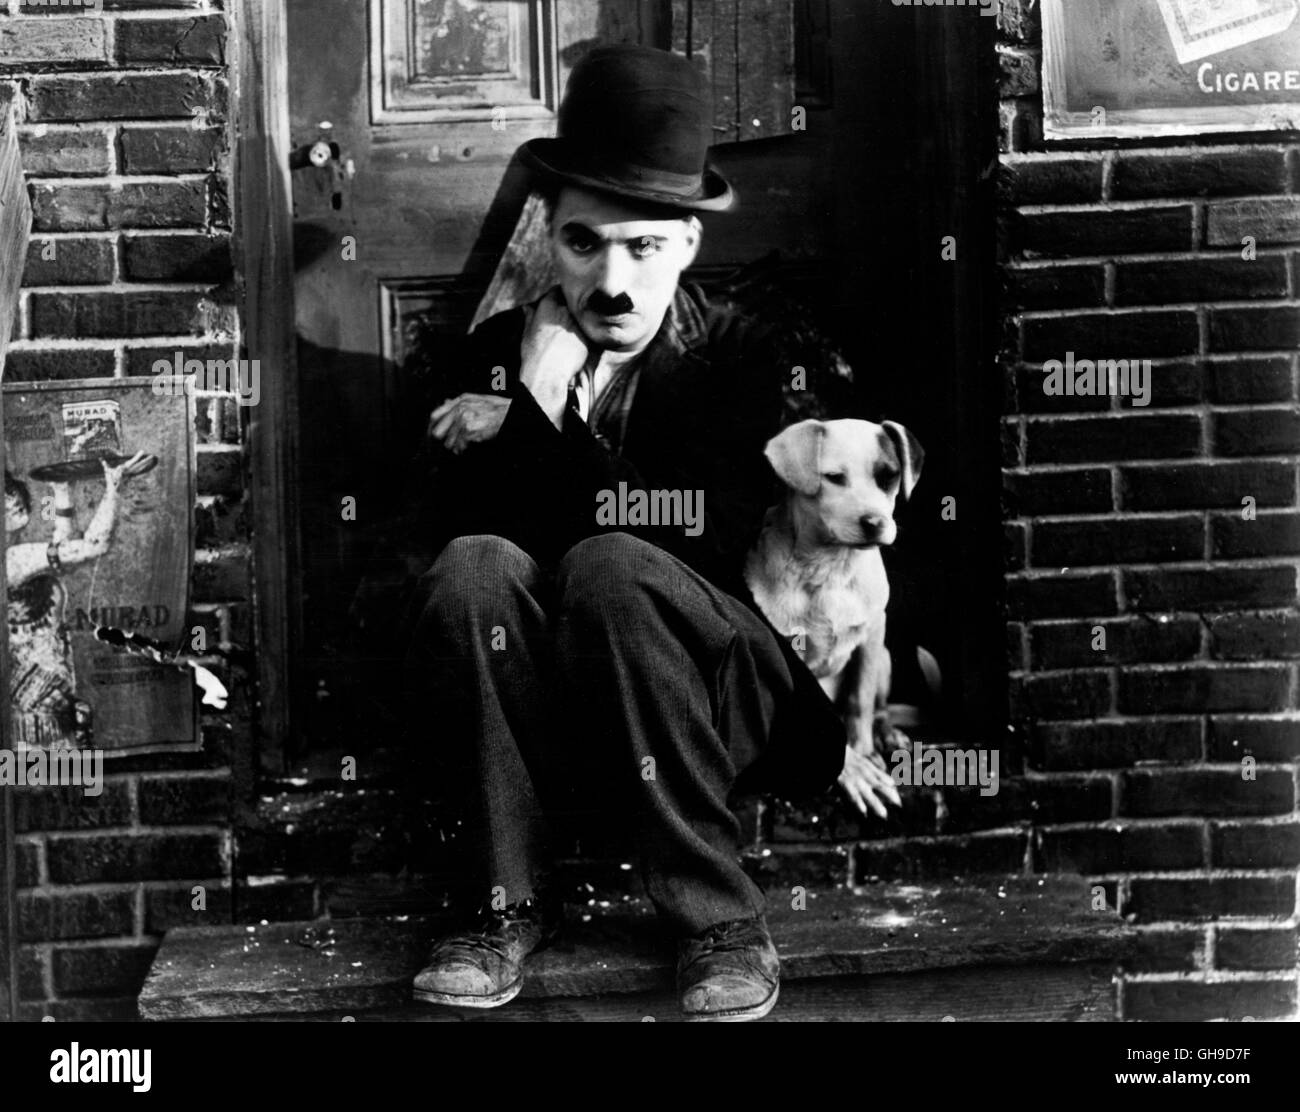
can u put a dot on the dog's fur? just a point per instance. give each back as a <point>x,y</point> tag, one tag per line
<point>816,568</point>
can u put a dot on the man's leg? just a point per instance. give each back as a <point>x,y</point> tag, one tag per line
<point>480,670</point>
<point>679,680</point>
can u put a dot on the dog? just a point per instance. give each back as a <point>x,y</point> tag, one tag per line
<point>817,573</point>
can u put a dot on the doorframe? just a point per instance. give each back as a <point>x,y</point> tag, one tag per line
<point>264,262</point>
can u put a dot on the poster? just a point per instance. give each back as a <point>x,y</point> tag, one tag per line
<point>1117,68</point>
<point>80,556</point>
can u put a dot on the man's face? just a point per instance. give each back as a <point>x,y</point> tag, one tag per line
<point>618,270</point>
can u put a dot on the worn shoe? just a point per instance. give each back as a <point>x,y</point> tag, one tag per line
<point>484,967</point>
<point>729,972</point>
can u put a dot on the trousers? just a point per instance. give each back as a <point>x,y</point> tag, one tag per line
<point>619,685</point>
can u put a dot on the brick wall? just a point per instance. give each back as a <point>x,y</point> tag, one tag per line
<point>125,140</point>
<point>1135,520</point>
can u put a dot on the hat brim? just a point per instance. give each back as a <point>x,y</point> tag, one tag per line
<point>555,159</point>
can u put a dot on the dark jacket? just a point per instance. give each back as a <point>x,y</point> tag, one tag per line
<point>708,399</point>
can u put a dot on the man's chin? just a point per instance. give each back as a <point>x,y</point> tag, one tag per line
<point>613,334</point>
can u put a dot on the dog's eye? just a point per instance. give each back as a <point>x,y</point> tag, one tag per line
<point>886,475</point>
<point>839,478</point>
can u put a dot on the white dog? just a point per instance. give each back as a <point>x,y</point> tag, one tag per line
<point>816,572</point>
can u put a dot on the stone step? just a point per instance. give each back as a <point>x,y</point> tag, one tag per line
<point>1010,947</point>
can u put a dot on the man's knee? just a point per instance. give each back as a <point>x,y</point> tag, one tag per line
<point>609,573</point>
<point>474,571</point>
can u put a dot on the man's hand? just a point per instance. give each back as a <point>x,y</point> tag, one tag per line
<point>468,419</point>
<point>865,779</point>
<point>553,351</point>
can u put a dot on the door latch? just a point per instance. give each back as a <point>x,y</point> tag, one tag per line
<point>325,152</point>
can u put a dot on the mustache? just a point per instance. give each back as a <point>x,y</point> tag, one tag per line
<point>604,305</point>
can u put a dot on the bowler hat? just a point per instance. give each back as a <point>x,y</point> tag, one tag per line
<point>635,122</point>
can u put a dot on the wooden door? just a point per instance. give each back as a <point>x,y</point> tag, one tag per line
<point>428,100</point>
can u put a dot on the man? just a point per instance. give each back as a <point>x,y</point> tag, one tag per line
<point>578,662</point>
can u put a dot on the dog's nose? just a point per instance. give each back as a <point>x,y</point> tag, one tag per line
<point>872,523</point>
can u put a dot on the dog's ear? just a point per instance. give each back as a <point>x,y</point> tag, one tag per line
<point>796,454</point>
<point>910,455</point>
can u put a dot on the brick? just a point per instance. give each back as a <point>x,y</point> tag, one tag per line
<point>66,153</point>
<point>1167,951</point>
<point>1099,439</point>
<point>1247,381</point>
<point>1201,173</point>
<point>1265,739</point>
<point>1061,596</point>
<point>1061,695</point>
<point>45,366</point>
<point>189,800</point>
<point>1014,541</point>
<point>225,579</point>
<point>70,808</point>
<point>1154,899</point>
<point>61,916</point>
<point>1127,847</point>
<point>283,901</point>
<point>1200,279</point>
<point>182,42</point>
<point>31,974</point>
<point>1073,746</point>
<point>1189,1001</point>
<point>170,150</point>
<point>1171,384</point>
<point>138,313</point>
<point>1017,647</point>
<point>131,96</point>
<point>1255,329</point>
<point>1079,491</point>
<point>1256,845</point>
<point>1274,220</point>
<point>27,870</point>
<point>1273,636</point>
<point>1126,641</point>
<point>1018,72</point>
<point>1210,791</point>
<point>1009,443</point>
<point>1130,334</point>
<point>170,907</point>
<point>1126,540</point>
<point>1197,486</point>
<point>1018,20</point>
<point>34,42</point>
<point>102,970</point>
<point>1031,397</point>
<point>1168,691</point>
<point>1050,180</point>
<point>1102,231</point>
<point>1000,852</point>
<point>1048,799</point>
<point>1257,432</point>
<point>222,523</point>
<point>70,207</point>
<point>140,360</point>
<point>177,258</point>
<point>75,262</point>
<point>134,857</point>
<point>1257,948</point>
<point>1218,588</point>
<point>1059,286</point>
<point>220,473</point>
